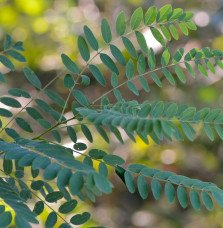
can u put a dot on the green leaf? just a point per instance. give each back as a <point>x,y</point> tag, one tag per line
<point>5,219</point>
<point>190,69</point>
<point>129,182</point>
<point>113,159</point>
<point>69,64</point>
<point>194,199</point>
<point>80,146</point>
<point>133,88</point>
<point>209,132</point>
<point>142,42</point>
<point>7,166</point>
<point>97,74</point>
<point>171,110</point>
<point>188,113</point>
<point>83,48</point>
<point>106,31</point>
<point>44,123</point>
<point>64,225</point>
<point>67,207</point>
<point>2,78</point>
<point>158,36</point>
<point>141,64</point>
<point>202,70</point>
<point>80,97</point>
<point>76,183</point>
<point>53,196</point>
<point>16,55</point>
<point>109,63</point>
<point>165,32</point>
<point>150,15</point>
<point>175,14</point>
<point>117,54</point>
<point>211,67</point>
<point>191,25</point>
<point>102,183</point>
<point>38,208</point>
<point>54,96</point>
<point>7,63</point>
<point>129,47</point>
<point>142,186</point>
<point>71,132</point>
<point>219,130</point>
<point>218,198</point>
<point>156,188</point>
<point>136,18</point>
<point>207,201</point>
<point>32,77</point>
<point>168,76</point>
<point>102,132</point>
<point>182,196</point>
<point>2,208</point>
<point>5,113</point>
<point>188,130</point>
<point>79,219</point>
<point>180,74</point>
<point>165,57</point>
<point>11,102</point>
<point>102,169</point>
<point>96,154</point>
<point>7,42</point>
<point>23,125</point>
<point>63,178</point>
<point>121,23</point>
<point>169,192</point>
<point>87,133</point>
<point>183,27</point>
<point>40,162</point>
<point>120,172</point>
<point>118,95</point>
<point>129,69</point>
<point>174,32</point>
<point>145,110</point>
<point>18,46</point>
<point>164,12</point>
<point>91,38</point>
<point>151,59</point>
<point>37,185</point>
<point>68,81</point>
<point>178,55</point>
<point>144,83</point>
<point>114,80</point>
<point>51,220</point>
<point>16,92</point>
<point>85,80</point>
<point>157,109</point>
<point>21,222</point>
<point>51,171</point>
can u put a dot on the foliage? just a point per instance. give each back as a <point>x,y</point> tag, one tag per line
<point>56,174</point>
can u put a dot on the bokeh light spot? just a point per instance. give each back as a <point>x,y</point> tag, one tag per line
<point>31,7</point>
<point>40,25</point>
<point>202,19</point>
<point>168,156</point>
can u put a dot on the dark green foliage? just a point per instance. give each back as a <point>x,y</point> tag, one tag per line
<point>64,180</point>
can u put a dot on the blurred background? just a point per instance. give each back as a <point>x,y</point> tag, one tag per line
<point>50,27</point>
